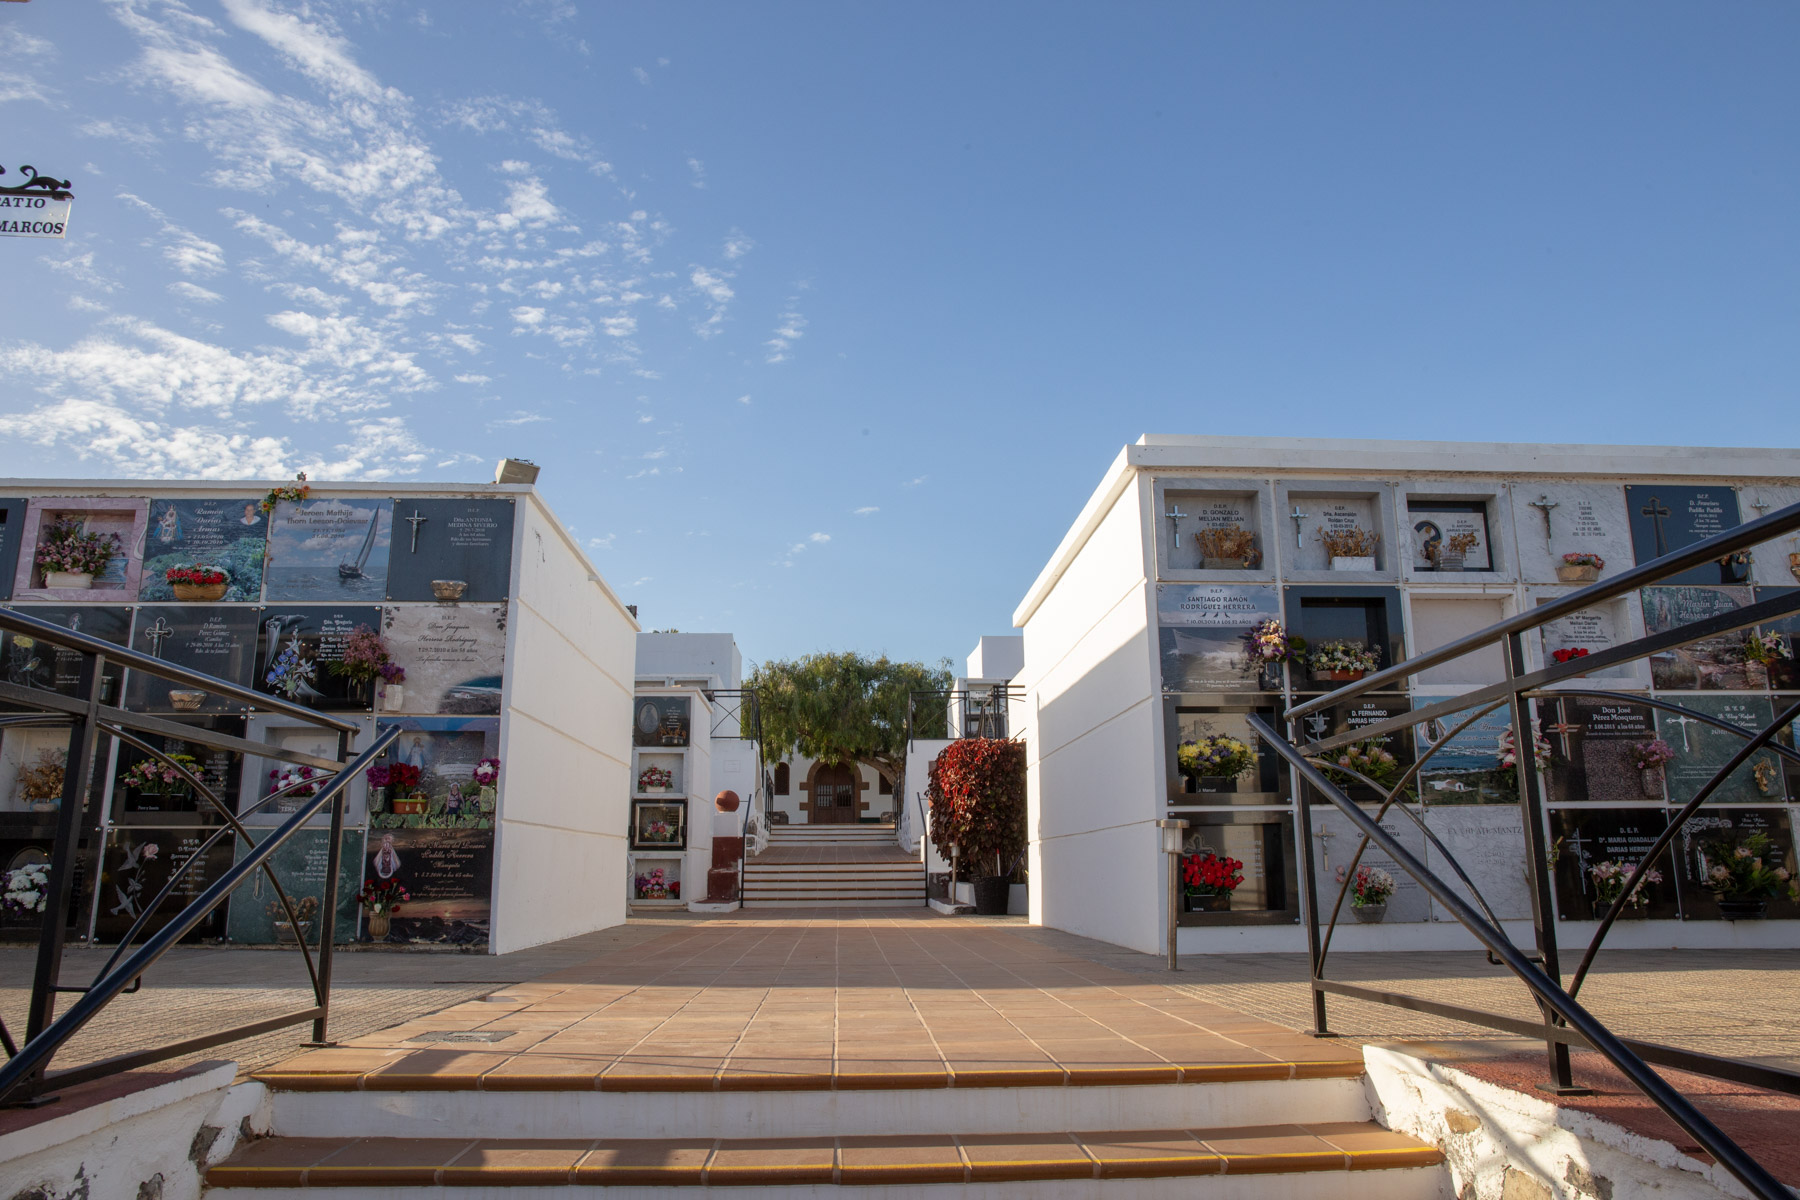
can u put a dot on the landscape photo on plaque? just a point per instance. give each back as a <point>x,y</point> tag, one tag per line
<point>12,533</point>
<point>1594,744</point>
<point>26,661</point>
<point>1667,518</point>
<point>300,864</point>
<point>1433,526</point>
<point>50,516</point>
<point>1709,664</point>
<point>139,863</point>
<point>1202,629</point>
<point>1701,749</point>
<point>454,656</point>
<point>444,751</point>
<point>332,550</point>
<point>1465,769</point>
<point>218,641</point>
<point>226,533</point>
<point>660,720</point>
<point>449,875</point>
<point>143,793</point>
<point>300,652</point>
<point>449,550</point>
<point>1712,835</point>
<point>1587,843</point>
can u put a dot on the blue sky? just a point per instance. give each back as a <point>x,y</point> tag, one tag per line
<point>823,320</point>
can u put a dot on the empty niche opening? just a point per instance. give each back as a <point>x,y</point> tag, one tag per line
<point>1438,622</point>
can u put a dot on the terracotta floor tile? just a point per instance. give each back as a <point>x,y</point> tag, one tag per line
<point>1148,1153</point>
<point>775,1074</point>
<point>658,1077</point>
<point>342,1060</point>
<point>272,1162</point>
<point>648,1162</point>
<point>515,1163</point>
<point>1014,1156</point>
<point>1371,1147</point>
<point>433,1069</point>
<point>1006,1073</point>
<point>897,1160</point>
<point>392,1162</point>
<point>1272,1148</point>
<point>545,1072</point>
<point>775,1162</point>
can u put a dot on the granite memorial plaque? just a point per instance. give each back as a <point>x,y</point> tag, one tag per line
<point>299,649</point>
<point>1555,519</point>
<point>1667,518</point>
<point>1709,664</point>
<point>1202,631</point>
<point>454,656</point>
<point>1777,561</point>
<point>1335,841</point>
<point>139,863</point>
<point>301,864</point>
<point>1784,672</point>
<point>1465,769</point>
<point>219,641</point>
<point>1258,785</point>
<point>1488,843</point>
<point>1431,524</point>
<point>117,583</point>
<point>265,776</point>
<point>1584,838</point>
<point>1713,833</point>
<point>332,550</point>
<point>445,751</point>
<point>449,874</point>
<point>1701,749</point>
<point>12,535</point>
<point>450,543</point>
<point>660,720</point>
<point>28,662</point>
<point>1593,755</point>
<point>224,532</point>
<point>138,800</point>
<point>1352,715</point>
<point>1336,514</point>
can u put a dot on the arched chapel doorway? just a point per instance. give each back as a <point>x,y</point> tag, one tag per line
<point>834,796</point>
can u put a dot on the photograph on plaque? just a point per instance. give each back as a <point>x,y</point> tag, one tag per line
<point>139,863</point>
<point>1383,758</point>
<point>332,550</point>
<point>1784,667</point>
<point>1446,533</point>
<point>660,720</point>
<point>448,873</point>
<point>263,777</point>
<point>1214,758</point>
<point>1466,766</point>
<point>146,791</point>
<point>1592,848</point>
<point>1557,519</point>
<point>1264,844</point>
<point>1667,518</point>
<point>1203,629</point>
<point>1712,836</point>
<point>439,791</point>
<point>451,550</point>
<point>300,655</point>
<point>1594,751</point>
<point>1335,843</point>
<point>1701,749</point>
<point>256,915</point>
<point>29,662</point>
<point>218,641</point>
<point>1488,843</point>
<point>454,656</point>
<point>12,534</point>
<point>658,825</point>
<point>225,533</point>
<point>1709,664</point>
<point>86,550</point>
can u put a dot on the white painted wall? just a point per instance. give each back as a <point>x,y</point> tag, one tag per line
<point>690,656</point>
<point>799,767</point>
<point>1001,657</point>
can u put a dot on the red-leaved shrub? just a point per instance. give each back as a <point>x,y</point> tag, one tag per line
<point>978,803</point>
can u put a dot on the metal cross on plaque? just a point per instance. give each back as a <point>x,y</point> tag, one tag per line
<point>1760,505</point>
<point>415,521</point>
<point>1683,720</point>
<point>1563,729</point>
<point>1658,512</point>
<point>1296,517</point>
<point>1325,836</point>
<point>1174,514</point>
<point>157,634</point>
<point>1578,845</point>
<point>1316,724</point>
<point>1544,504</point>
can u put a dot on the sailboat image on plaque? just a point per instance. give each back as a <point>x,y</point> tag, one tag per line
<point>330,549</point>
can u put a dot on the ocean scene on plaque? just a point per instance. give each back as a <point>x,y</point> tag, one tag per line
<point>1466,769</point>
<point>224,533</point>
<point>329,550</point>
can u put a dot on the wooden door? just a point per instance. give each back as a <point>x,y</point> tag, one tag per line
<point>834,798</point>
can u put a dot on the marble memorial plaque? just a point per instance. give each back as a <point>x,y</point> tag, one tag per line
<point>1667,518</point>
<point>227,533</point>
<point>12,535</point>
<point>445,750</point>
<point>1583,838</point>
<point>1713,833</point>
<point>1335,514</point>
<point>1202,631</point>
<point>1570,518</point>
<point>220,770</point>
<point>118,582</point>
<point>28,662</point>
<point>1591,629</point>
<point>1709,664</point>
<point>660,720</point>
<point>1440,620</point>
<point>1701,749</point>
<point>139,863</point>
<point>449,874</point>
<point>1465,769</point>
<point>451,542</point>
<point>1593,752</point>
<point>1335,840</point>
<point>1777,561</point>
<point>301,865</point>
<point>332,550</point>
<point>299,648</point>
<point>1488,843</point>
<point>219,641</point>
<point>454,655</point>
<point>1432,523</point>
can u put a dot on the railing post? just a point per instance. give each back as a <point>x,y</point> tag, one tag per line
<point>1537,850</point>
<point>334,854</point>
<point>1309,893</point>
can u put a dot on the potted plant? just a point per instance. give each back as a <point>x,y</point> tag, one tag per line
<point>377,776</point>
<point>1209,880</point>
<point>655,885</point>
<point>1268,645</point>
<point>655,781</point>
<point>1761,649</point>
<point>305,909</point>
<point>1341,662</point>
<point>487,778</point>
<point>1350,549</point>
<point>1744,877</point>
<point>1449,554</point>
<point>70,557</point>
<point>301,782</point>
<point>1650,758</point>
<point>26,890</point>
<point>1612,880</point>
<point>1580,567</point>
<point>380,900</point>
<point>1735,568</point>
<point>364,656</point>
<point>976,790</point>
<point>393,690</point>
<point>1369,758</point>
<point>151,777</point>
<point>1227,548</point>
<point>197,582</point>
<point>298,492</point>
<point>41,784</point>
<point>405,798</point>
<point>1213,764</point>
<point>1568,654</point>
<point>1369,893</point>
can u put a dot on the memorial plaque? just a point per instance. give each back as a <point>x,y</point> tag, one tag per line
<point>658,825</point>
<point>1589,630</point>
<point>1202,630</point>
<point>1594,751</point>
<point>1784,672</point>
<point>117,583</point>
<point>445,751</point>
<point>265,776</point>
<point>1353,715</point>
<point>1336,514</point>
<point>1440,620</point>
<point>12,535</point>
<point>1777,561</point>
<point>1667,518</point>
<point>299,649</point>
<point>25,847</point>
<point>1709,664</point>
<point>330,550</point>
<point>1466,767</point>
<point>162,802</point>
<point>28,662</point>
<point>660,720</point>
<point>1569,518</point>
<point>138,865</point>
<point>219,641</point>
<point>300,864</point>
<point>1713,833</point>
<point>1264,843</point>
<point>1701,749</point>
<point>1334,846</point>
<point>450,542</point>
<point>224,532</point>
<point>449,874</point>
<point>1584,838</point>
<point>1433,523</point>
<point>1258,785</point>
<point>1488,843</point>
<point>454,655</point>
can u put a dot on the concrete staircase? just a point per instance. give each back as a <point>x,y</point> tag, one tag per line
<point>833,866</point>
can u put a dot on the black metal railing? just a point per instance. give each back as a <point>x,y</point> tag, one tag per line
<point>1565,1022</point>
<point>25,1077</point>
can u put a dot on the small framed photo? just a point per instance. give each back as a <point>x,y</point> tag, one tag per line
<point>658,825</point>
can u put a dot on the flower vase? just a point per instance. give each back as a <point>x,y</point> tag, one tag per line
<point>1740,908</point>
<point>377,799</point>
<point>1449,562</point>
<point>1370,914</point>
<point>1189,785</point>
<point>284,933</point>
<point>1756,674</point>
<point>75,581</point>
<point>1361,562</point>
<point>1582,574</point>
<point>199,591</point>
<point>1217,902</point>
<point>1271,677</point>
<point>488,796</point>
<point>393,697</point>
<point>379,923</point>
<point>1651,779</point>
<point>1339,676</point>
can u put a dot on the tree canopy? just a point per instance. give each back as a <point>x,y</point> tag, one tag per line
<point>844,708</point>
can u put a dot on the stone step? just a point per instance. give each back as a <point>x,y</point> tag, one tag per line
<point>878,870</point>
<point>836,902</point>
<point>1349,1160</point>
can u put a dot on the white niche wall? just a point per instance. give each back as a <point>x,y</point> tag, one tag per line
<point>1329,503</point>
<point>1437,620</point>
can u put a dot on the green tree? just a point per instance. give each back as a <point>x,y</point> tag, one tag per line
<point>845,708</point>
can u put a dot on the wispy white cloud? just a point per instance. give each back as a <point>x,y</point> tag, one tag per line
<point>866,510</point>
<point>915,481</point>
<point>518,418</point>
<point>790,328</point>
<point>193,293</point>
<point>744,399</point>
<point>737,245</point>
<point>602,543</point>
<point>472,378</point>
<point>818,538</point>
<point>696,174</point>
<point>25,66</point>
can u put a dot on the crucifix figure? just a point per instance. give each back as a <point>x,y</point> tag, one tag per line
<point>415,521</point>
<point>1657,511</point>
<point>1544,504</point>
<point>1760,505</point>
<point>1316,724</point>
<point>157,635</point>
<point>1562,729</point>
<point>1174,514</point>
<point>1325,836</point>
<point>1296,517</point>
<point>1578,844</point>
<point>1683,720</point>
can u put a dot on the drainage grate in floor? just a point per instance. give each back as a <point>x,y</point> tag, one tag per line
<point>464,1035</point>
